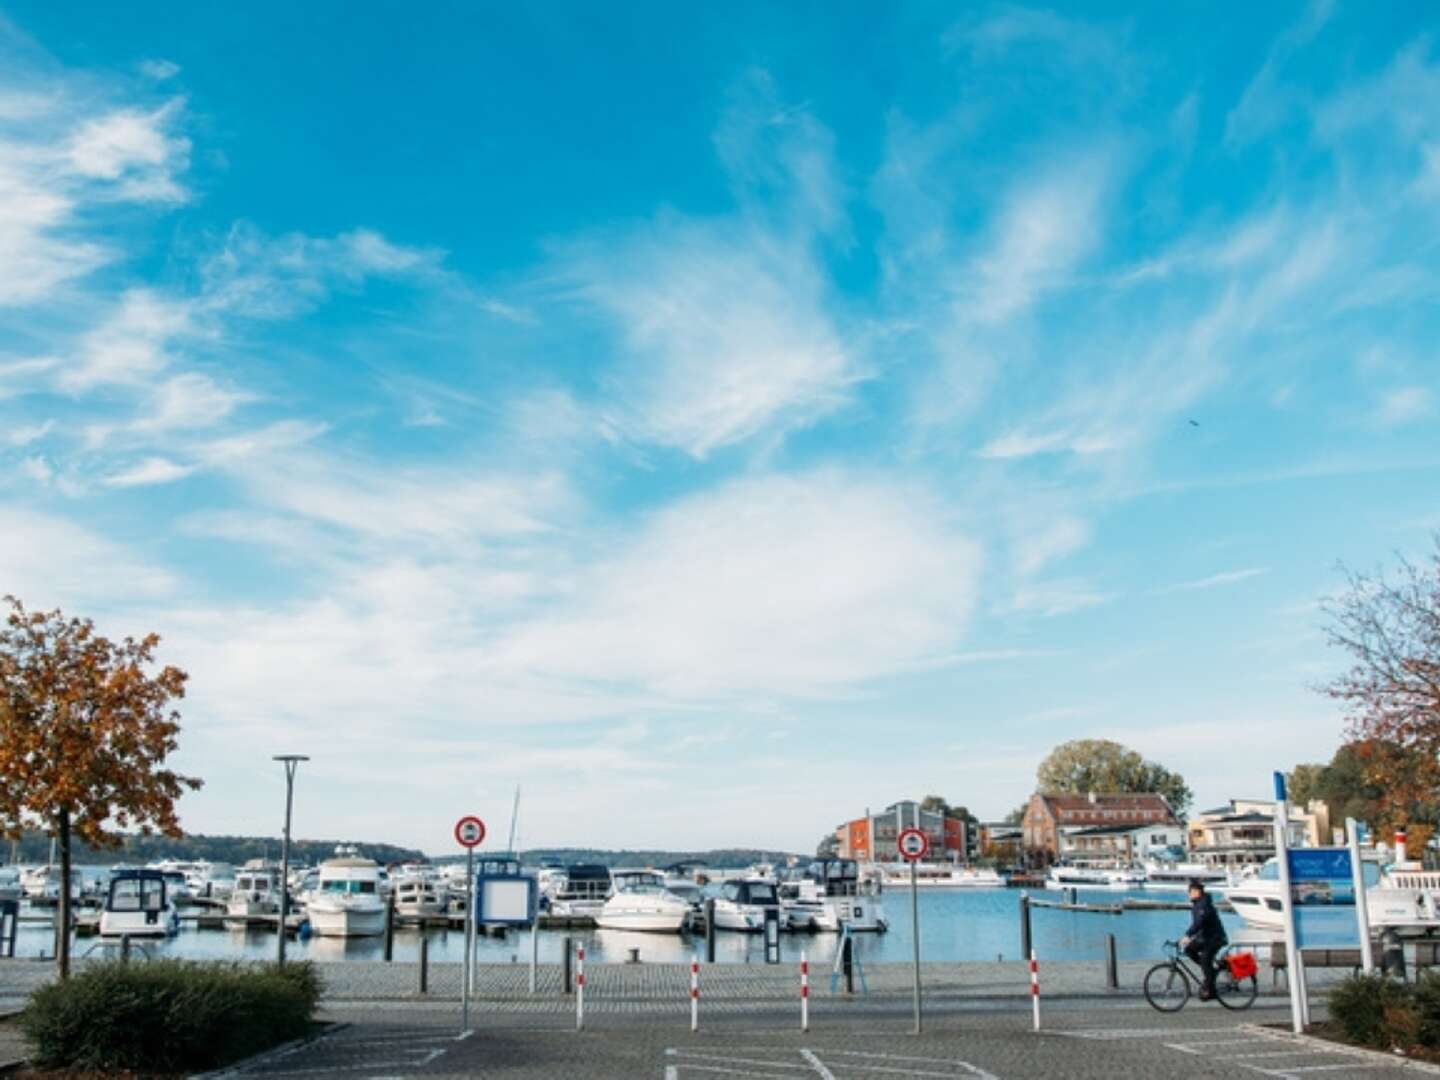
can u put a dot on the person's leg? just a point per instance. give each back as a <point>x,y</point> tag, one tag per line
<point>1207,966</point>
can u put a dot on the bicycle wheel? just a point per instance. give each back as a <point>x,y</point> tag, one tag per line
<point>1166,988</point>
<point>1235,993</point>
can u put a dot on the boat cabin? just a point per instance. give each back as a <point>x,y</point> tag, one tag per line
<point>138,905</point>
<point>585,881</point>
<point>836,877</point>
<point>751,891</point>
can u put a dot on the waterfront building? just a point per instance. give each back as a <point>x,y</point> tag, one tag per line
<point>1049,818</point>
<point>1121,844</point>
<point>1243,831</point>
<point>872,837</point>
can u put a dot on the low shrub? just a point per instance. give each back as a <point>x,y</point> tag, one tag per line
<point>1368,1008</point>
<point>1427,1004</point>
<point>168,1016</point>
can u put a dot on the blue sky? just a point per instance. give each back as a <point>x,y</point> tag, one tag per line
<point>715,421</point>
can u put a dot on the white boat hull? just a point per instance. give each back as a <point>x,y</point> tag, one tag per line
<point>136,924</point>
<point>331,920</point>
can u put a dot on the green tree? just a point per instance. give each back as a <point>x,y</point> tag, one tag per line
<point>1108,768</point>
<point>85,727</point>
<point>1303,783</point>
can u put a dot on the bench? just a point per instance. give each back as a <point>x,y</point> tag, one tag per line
<point>1426,954</point>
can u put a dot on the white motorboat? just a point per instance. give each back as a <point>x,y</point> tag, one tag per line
<point>138,905</point>
<point>420,896</point>
<point>255,895</point>
<point>347,901</point>
<point>642,902</point>
<point>41,884</point>
<point>1093,877</point>
<point>743,902</point>
<point>582,892</point>
<point>1178,875</point>
<point>932,876</point>
<point>802,904</point>
<point>1401,897</point>
<point>846,900</point>
<point>211,880</point>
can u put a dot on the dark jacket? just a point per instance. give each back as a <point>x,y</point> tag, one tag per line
<point>1205,925</point>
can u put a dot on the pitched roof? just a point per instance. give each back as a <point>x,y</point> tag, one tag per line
<point>1080,803</point>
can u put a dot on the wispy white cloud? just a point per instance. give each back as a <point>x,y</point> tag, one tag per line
<point>148,473</point>
<point>130,345</point>
<point>1052,598</point>
<point>725,333</point>
<point>1404,405</point>
<point>159,69</point>
<point>1267,100</point>
<point>776,585</point>
<point>1227,577</point>
<point>48,561</point>
<point>134,152</point>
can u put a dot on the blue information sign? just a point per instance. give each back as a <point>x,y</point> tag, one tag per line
<point>503,895</point>
<point>1322,888</point>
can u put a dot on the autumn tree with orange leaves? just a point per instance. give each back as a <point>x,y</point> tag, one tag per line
<point>1390,625</point>
<point>85,727</point>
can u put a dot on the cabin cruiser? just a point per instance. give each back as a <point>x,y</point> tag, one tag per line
<point>642,902</point>
<point>420,895</point>
<point>255,896</point>
<point>802,904</point>
<point>1093,877</point>
<point>1178,875</point>
<point>211,880</point>
<point>939,876</point>
<point>1402,897</point>
<point>347,901</point>
<point>846,900</point>
<point>138,904</point>
<point>582,892</point>
<point>743,902</point>
<point>41,884</point>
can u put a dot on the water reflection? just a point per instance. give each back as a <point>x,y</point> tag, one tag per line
<point>960,925</point>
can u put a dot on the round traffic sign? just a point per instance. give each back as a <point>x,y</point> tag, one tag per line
<point>913,844</point>
<point>469,831</point>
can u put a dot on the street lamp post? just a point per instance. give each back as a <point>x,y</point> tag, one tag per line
<point>291,762</point>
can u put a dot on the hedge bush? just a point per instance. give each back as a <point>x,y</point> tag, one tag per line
<point>168,1016</point>
<point>1374,1010</point>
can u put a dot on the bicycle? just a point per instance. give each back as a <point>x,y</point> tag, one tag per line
<point>1168,983</point>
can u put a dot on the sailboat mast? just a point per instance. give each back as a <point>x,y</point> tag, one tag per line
<point>514,813</point>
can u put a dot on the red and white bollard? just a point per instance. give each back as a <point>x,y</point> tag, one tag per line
<point>579,987</point>
<point>1035,988</point>
<point>695,993</point>
<point>804,992</point>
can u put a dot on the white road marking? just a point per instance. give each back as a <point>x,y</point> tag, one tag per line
<point>970,1070</point>
<point>690,1067</point>
<point>729,1059</point>
<point>1105,1035</point>
<point>816,1064</point>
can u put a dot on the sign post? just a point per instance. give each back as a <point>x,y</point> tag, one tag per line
<point>1362,905</point>
<point>913,845</point>
<point>1294,963</point>
<point>469,832</point>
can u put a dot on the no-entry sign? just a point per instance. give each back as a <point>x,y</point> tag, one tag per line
<point>913,844</point>
<point>469,831</point>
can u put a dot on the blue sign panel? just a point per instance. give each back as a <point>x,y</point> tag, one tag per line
<point>503,895</point>
<point>1322,889</point>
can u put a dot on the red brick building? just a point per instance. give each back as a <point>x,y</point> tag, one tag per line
<point>1048,816</point>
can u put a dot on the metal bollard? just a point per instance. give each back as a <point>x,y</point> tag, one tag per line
<point>804,992</point>
<point>124,948</point>
<point>695,993</point>
<point>567,949</point>
<point>580,988</point>
<point>390,928</point>
<point>424,964</point>
<point>1035,988</point>
<point>1392,954</point>
<point>1025,941</point>
<point>710,931</point>
<point>847,962</point>
<point>1112,967</point>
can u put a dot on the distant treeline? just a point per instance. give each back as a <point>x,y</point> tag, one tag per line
<point>720,858</point>
<point>34,847</point>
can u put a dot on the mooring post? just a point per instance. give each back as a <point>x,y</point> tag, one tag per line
<point>1112,970</point>
<point>710,930</point>
<point>1024,924</point>
<point>124,948</point>
<point>847,962</point>
<point>424,964</point>
<point>390,928</point>
<point>567,950</point>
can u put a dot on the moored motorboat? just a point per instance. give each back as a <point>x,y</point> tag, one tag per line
<point>347,901</point>
<point>255,896</point>
<point>846,900</point>
<point>582,892</point>
<point>743,903</point>
<point>138,905</point>
<point>1401,897</point>
<point>641,902</point>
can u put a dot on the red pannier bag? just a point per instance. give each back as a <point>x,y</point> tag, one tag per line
<point>1242,965</point>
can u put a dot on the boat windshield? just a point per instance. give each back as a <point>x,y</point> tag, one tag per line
<point>347,886</point>
<point>762,894</point>
<point>137,894</point>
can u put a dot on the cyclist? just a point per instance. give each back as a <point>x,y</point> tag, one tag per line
<point>1206,936</point>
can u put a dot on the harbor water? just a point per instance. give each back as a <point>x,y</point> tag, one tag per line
<point>956,925</point>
